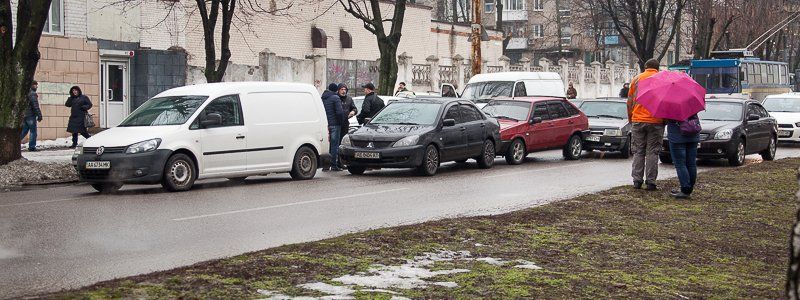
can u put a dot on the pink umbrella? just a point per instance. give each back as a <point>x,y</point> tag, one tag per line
<point>671,95</point>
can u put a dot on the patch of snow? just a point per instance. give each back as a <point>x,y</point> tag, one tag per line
<point>53,144</point>
<point>447,284</point>
<point>524,264</point>
<point>399,298</point>
<point>327,288</point>
<point>492,261</point>
<point>479,245</point>
<point>379,291</point>
<point>50,156</point>
<point>23,171</point>
<point>407,276</point>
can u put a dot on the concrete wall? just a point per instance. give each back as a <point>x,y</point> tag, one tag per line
<point>113,22</point>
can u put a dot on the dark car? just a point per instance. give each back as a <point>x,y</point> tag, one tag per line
<point>608,125</point>
<point>733,128</point>
<point>421,134</point>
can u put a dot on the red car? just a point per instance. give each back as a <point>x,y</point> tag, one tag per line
<point>531,124</point>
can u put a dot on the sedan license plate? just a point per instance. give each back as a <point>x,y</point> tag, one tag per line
<point>368,155</point>
<point>98,165</point>
<point>784,133</point>
<point>593,138</point>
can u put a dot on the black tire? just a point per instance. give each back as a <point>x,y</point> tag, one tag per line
<point>107,188</point>
<point>179,173</point>
<point>430,162</point>
<point>304,165</point>
<point>665,158</point>
<point>238,179</point>
<point>737,154</point>
<point>486,160</point>
<point>516,152</point>
<point>573,148</point>
<point>627,150</point>
<point>356,170</point>
<point>769,153</point>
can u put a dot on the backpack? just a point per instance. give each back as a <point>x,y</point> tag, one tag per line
<point>691,126</point>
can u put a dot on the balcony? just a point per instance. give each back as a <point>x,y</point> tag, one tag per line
<point>515,15</point>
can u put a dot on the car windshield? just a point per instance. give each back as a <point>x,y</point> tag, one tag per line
<point>482,92</point>
<point>515,110</point>
<point>605,109</point>
<point>782,104</point>
<point>407,113</point>
<point>163,111</point>
<point>721,111</point>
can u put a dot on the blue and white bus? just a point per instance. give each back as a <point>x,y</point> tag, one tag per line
<point>751,76</point>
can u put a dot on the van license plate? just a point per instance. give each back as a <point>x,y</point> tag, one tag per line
<point>368,155</point>
<point>784,133</point>
<point>98,165</point>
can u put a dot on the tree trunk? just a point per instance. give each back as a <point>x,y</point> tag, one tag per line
<point>388,67</point>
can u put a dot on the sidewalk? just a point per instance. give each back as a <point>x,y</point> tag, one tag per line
<point>49,166</point>
<point>728,242</point>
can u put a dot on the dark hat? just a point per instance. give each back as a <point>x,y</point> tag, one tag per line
<point>368,85</point>
<point>333,87</point>
<point>340,86</point>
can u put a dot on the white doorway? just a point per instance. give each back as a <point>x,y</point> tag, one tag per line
<point>114,86</point>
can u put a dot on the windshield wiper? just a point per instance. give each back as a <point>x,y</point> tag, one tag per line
<point>608,116</point>
<point>505,117</point>
<point>404,123</point>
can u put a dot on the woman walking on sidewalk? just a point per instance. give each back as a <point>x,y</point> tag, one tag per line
<point>80,105</point>
<point>683,138</point>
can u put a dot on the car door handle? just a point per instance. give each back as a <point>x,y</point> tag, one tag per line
<point>240,137</point>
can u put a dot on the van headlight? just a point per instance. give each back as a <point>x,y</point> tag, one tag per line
<point>724,134</point>
<point>407,141</point>
<point>346,141</point>
<point>141,147</point>
<point>612,132</point>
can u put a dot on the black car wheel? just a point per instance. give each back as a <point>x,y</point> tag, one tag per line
<point>179,174</point>
<point>305,164</point>
<point>769,153</point>
<point>573,148</point>
<point>665,158</point>
<point>626,150</point>
<point>430,162</point>
<point>486,160</point>
<point>107,188</point>
<point>736,156</point>
<point>516,152</point>
<point>356,170</point>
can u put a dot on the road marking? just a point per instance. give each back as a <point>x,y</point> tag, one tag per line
<point>534,171</point>
<point>42,202</point>
<point>288,204</point>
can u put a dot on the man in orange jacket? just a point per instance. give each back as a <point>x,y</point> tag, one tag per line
<point>647,133</point>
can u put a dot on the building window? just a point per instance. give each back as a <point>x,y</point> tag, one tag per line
<point>55,18</point>
<point>514,5</point>
<point>345,39</point>
<point>538,5</point>
<point>318,38</point>
<point>537,30</point>
<point>488,6</point>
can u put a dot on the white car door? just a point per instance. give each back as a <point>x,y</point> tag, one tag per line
<point>224,146</point>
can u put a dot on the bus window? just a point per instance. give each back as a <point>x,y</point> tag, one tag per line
<point>723,80</point>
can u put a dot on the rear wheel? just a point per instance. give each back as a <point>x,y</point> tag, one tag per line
<point>573,148</point>
<point>304,166</point>
<point>179,174</point>
<point>769,153</point>
<point>486,160</point>
<point>356,170</point>
<point>736,156</point>
<point>430,162</point>
<point>107,188</point>
<point>516,152</point>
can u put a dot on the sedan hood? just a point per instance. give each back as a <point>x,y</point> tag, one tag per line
<point>786,117</point>
<point>388,132</point>
<point>125,136</point>
<point>714,126</point>
<point>603,123</point>
<point>506,123</point>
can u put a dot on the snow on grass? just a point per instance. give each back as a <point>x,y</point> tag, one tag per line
<point>524,264</point>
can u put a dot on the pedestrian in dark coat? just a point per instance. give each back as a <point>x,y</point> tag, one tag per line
<point>335,114</point>
<point>349,108</point>
<point>572,93</point>
<point>80,105</point>
<point>623,93</point>
<point>683,148</point>
<point>372,104</point>
<point>33,114</point>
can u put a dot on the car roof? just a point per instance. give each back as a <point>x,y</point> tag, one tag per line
<point>229,88</point>
<point>605,99</point>
<point>532,99</point>
<point>785,95</point>
<point>514,76</point>
<point>426,99</point>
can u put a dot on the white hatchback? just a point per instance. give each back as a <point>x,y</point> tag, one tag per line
<point>786,110</point>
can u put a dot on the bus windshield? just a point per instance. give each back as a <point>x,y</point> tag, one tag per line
<point>724,80</point>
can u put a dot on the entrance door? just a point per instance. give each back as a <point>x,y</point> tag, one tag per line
<point>114,106</point>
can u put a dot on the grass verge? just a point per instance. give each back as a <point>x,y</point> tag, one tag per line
<point>728,242</point>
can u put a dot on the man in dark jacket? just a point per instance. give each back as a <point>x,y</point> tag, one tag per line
<point>349,108</point>
<point>623,93</point>
<point>335,114</point>
<point>372,104</point>
<point>33,114</point>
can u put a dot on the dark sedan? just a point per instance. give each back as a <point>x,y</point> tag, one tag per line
<point>732,129</point>
<point>421,134</point>
<point>608,125</point>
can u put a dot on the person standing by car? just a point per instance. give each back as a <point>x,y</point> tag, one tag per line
<point>647,133</point>
<point>33,114</point>
<point>349,108</point>
<point>683,137</point>
<point>333,110</point>
<point>372,104</point>
<point>572,93</point>
<point>623,93</point>
<point>79,106</point>
<point>401,88</point>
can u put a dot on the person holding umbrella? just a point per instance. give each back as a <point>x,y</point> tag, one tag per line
<point>647,133</point>
<point>677,98</point>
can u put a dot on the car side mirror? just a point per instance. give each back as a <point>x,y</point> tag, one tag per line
<point>366,120</point>
<point>449,122</point>
<point>753,118</point>
<point>536,120</point>
<point>211,120</point>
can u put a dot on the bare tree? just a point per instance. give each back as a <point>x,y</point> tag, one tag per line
<point>369,12</point>
<point>18,61</point>
<point>643,24</point>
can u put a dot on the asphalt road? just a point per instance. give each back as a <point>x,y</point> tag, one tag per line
<point>67,236</point>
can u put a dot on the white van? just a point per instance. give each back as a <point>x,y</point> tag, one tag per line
<point>484,87</point>
<point>218,130</point>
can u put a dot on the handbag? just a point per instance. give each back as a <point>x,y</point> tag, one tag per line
<point>88,120</point>
<point>691,126</point>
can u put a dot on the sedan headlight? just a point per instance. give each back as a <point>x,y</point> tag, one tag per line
<point>407,141</point>
<point>346,141</point>
<point>612,132</point>
<point>146,146</point>
<point>78,151</point>
<point>724,134</point>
